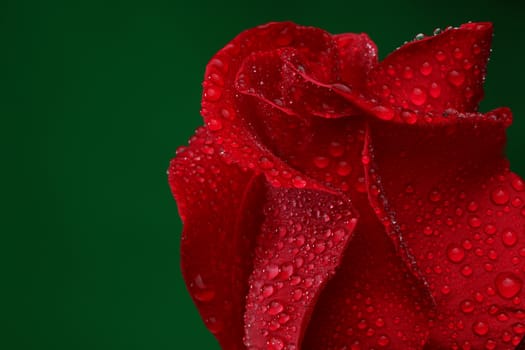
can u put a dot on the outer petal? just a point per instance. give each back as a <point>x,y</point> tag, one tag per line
<point>300,244</point>
<point>219,204</point>
<point>436,73</point>
<point>373,302</point>
<point>448,199</point>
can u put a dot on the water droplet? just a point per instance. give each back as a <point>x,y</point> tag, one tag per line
<point>426,69</point>
<point>467,306</point>
<point>267,291</point>
<point>500,196</point>
<point>457,53</point>
<point>466,271</point>
<point>518,184</point>
<point>435,90</point>
<point>212,94</point>
<point>299,182</point>
<point>508,285</point>
<point>275,308</point>
<point>215,326</point>
<point>265,163</point>
<point>418,97</point>
<point>455,253</point>
<point>383,340</point>
<point>336,149</point>
<point>518,328</point>
<point>456,78</point>
<point>408,73</point>
<point>480,328</point>
<point>509,238</point>
<point>409,117</point>
<point>321,162</point>
<point>275,344</point>
<point>434,196</point>
<point>440,56</point>
<point>272,271</point>
<point>214,124</point>
<point>344,168</point>
<point>474,221</point>
<point>297,294</point>
<point>476,49</point>
<point>204,295</point>
<point>286,271</point>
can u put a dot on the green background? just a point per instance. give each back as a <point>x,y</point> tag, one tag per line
<point>96,96</point>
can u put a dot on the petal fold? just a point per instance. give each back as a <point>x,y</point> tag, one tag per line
<point>300,244</point>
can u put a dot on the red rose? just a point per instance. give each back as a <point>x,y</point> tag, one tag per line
<point>336,202</point>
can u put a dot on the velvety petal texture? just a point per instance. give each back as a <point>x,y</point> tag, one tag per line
<point>332,201</point>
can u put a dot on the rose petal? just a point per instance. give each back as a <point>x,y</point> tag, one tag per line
<point>458,213</point>
<point>436,73</point>
<point>300,244</point>
<point>357,56</point>
<point>273,77</point>
<point>372,302</point>
<point>241,124</point>
<point>218,204</point>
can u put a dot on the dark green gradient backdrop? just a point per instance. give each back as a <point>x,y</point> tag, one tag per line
<point>95,98</point>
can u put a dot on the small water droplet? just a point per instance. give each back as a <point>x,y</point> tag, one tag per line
<point>214,124</point>
<point>435,90</point>
<point>344,168</point>
<point>321,162</point>
<point>440,56</point>
<point>299,182</point>
<point>275,308</point>
<point>426,69</point>
<point>456,78</point>
<point>212,94</point>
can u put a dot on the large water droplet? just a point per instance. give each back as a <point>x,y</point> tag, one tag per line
<point>480,328</point>
<point>455,253</point>
<point>508,285</point>
<point>509,238</point>
<point>500,196</point>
